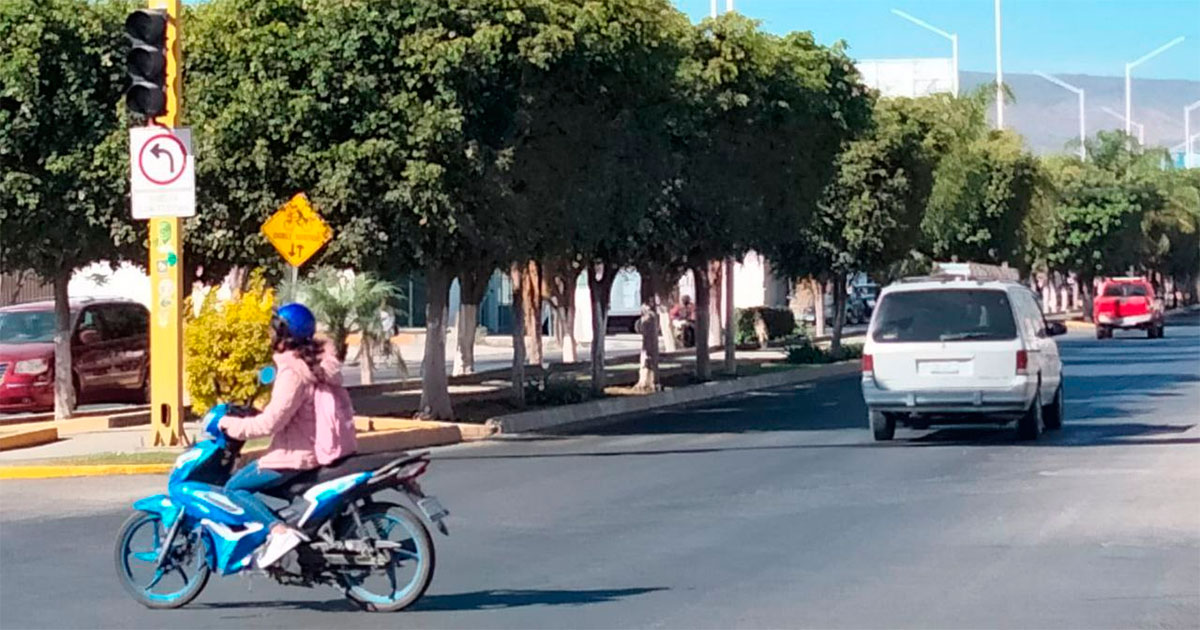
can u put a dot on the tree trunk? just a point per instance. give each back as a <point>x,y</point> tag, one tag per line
<point>730,325</point>
<point>1086,287</point>
<point>703,297</point>
<point>64,388</point>
<point>648,324</point>
<point>600,289</point>
<point>367,364</point>
<point>518,336</point>
<point>819,307</point>
<point>531,294</point>
<point>839,314</point>
<point>558,286</point>
<point>472,285</point>
<point>435,386</point>
<point>715,336</point>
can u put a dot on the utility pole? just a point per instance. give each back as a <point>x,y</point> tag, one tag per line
<point>953,37</point>
<point>999,73</point>
<point>1187,134</point>
<point>1129,78</point>
<point>1078,92</point>
<point>156,69</point>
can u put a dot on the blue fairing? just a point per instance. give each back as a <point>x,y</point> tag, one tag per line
<point>233,533</point>
<point>324,498</point>
<point>160,504</point>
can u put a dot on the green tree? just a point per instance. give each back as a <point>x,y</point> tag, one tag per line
<point>348,304</point>
<point>1096,210</point>
<point>63,150</point>
<point>760,124</point>
<point>870,215</point>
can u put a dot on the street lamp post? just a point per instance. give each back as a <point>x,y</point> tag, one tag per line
<point>1078,92</point>
<point>953,37</point>
<point>1128,124</point>
<point>1187,134</point>
<point>712,8</point>
<point>1129,77</point>
<point>999,74</point>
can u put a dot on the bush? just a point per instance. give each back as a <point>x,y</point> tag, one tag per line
<point>777,322</point>
<point>807,353</point>
<point>550,391</point>
<point>225,343</point>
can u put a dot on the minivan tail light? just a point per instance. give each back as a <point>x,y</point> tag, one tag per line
<point>1022,362</point>
<point>868,364</point>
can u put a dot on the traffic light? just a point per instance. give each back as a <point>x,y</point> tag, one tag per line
<point>147,62</point>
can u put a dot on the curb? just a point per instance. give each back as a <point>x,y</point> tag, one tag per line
<point>28,437</point>
<point>92,470</point>
<point>607,410</point>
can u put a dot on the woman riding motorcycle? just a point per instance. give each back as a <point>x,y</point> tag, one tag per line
<point>291,419</point>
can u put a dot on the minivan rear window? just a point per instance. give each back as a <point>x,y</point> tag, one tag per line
<point>945,315</point>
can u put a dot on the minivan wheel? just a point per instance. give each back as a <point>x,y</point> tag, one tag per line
<point>883,425</point>
<point>1031,423</point>
<point>1052,414</point>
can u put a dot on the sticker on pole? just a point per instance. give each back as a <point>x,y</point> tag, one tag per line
<point>297,231</point>
<point>162,172</point>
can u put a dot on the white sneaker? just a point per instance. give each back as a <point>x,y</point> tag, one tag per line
<point>278,545</point>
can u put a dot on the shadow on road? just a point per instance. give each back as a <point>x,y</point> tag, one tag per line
<point>474,600</point>
<point>492,599</point>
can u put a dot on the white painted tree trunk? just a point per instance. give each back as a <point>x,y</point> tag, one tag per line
<point>570,348</point>
<point>518,337</point>
<point>64,389</point>
<point>819,307</point>
<point>368,364</point>
<point>464,348</point>
<point>648,371</point>
<point>715,332</point>
<point>600,292</point>
<point>667,328</point>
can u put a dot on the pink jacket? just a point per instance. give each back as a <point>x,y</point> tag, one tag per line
<point>289,417</point>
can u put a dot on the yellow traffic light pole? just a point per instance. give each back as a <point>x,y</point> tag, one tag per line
<point>166,269</point>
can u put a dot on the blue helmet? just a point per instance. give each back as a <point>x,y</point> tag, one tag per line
<point>295,320</point>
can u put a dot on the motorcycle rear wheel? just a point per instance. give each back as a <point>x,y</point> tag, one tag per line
<point>395,523</point>
<point>188,560</point>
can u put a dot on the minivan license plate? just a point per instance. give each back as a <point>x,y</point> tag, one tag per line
<point>943,368</point>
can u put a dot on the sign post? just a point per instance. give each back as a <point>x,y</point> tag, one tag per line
<point>297,232</point>
<point>166,157</point>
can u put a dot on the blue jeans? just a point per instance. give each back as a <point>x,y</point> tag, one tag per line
<point>244,483</point>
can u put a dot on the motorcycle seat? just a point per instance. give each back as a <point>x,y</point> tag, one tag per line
<point>301,483</point>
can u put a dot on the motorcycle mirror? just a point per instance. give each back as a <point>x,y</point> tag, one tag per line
<point>266,375</point>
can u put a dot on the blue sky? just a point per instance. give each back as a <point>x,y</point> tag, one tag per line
<point>1056,36</point>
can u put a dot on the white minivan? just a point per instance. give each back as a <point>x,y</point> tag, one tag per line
<point>956,349</point>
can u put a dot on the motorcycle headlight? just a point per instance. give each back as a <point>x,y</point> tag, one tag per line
<point>31,366</point>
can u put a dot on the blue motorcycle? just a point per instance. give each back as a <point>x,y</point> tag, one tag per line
<point>379,553</point>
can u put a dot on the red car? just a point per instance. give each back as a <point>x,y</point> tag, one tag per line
<point>110,353</point>
<point>1127,303</point>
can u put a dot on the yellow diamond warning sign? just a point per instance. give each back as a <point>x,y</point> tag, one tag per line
<point>297,231</point>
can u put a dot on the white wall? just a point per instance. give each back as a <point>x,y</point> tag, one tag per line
<point>101,280</point>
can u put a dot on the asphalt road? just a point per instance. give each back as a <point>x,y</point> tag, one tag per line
<point>769,510</point>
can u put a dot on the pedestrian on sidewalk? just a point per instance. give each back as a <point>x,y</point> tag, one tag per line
<point>309,418</point>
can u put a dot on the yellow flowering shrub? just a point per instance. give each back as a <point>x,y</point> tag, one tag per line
<point>225,343</point>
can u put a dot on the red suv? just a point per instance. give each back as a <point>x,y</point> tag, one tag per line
<point>110,353</point>
<point>1127,303</point>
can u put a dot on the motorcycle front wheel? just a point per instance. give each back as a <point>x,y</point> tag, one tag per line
<point>183,573</point>
<point>401,583</point>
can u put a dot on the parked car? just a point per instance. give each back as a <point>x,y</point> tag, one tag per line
<point>110,344</point>
<point>868,292</point>
<point>1128,303</point>
<point>856,310</point>
<point>958,349</point>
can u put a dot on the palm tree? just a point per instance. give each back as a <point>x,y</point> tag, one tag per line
<point>348,303</point>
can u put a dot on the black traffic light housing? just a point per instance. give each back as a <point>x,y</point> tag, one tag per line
<point>147,62</point>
